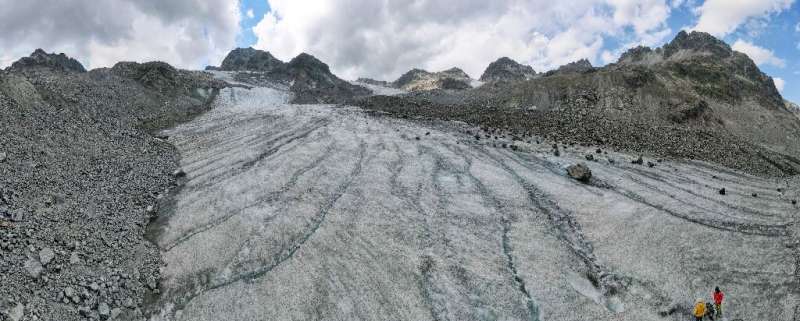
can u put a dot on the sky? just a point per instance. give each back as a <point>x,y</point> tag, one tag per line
<point>384,38</point>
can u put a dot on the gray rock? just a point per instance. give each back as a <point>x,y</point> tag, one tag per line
<point>14,216</point>
<point>580,172</point>
<point>85,311</point>
<point>179,173</point>
<point>74,258</point>
<point>3,157</point>
<point>103,310</point>
<point>115,312</point>
<point>34,268</point>
<point>16,313</point>
<point>49,200</point>
<point>69,292</point>
<point>46,255</point>
<point>128,303</point>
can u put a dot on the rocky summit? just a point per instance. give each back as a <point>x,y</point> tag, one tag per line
<point>40,58</point>
<point>422,80</point>
<point>250,59</point>
<point>506,69</point>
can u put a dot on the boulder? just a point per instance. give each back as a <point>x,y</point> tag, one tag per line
<point>580,172</point>
<point>178,173</point>
<point>46,255</point>
<point>33,267</point>
<point>103,310</point>
<point>16,313</point>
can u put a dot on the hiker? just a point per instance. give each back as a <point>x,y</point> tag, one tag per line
<point>718,296</point>
<point>710,311</point>
<point>699,309</point>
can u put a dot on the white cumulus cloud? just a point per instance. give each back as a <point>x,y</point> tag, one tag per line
<point>250,14</point>
<point>761,56</point>
<point>185,33</point>
<point>397,35</point>
<point>721,17</point>
<point>779,83</point>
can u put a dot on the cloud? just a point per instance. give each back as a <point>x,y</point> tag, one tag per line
<point>760,56</point>
<point>721,17</point>
<point>399,35</point>
<point>779,83</point>
<point>185,33</point>
<point>250,14</point>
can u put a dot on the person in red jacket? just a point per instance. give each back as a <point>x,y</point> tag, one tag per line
<point>718,296</point>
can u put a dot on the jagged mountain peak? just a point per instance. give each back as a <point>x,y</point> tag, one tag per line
<point>249,59</point>
<point>304,60</point>
<point>697,41</point>
<point>580,66</point>
<point>418,79</point>
<point>40,58</point>
<point>506,69</point>
<point>455,72</point>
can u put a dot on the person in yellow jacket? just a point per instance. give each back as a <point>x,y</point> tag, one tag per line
<point>699,309</point>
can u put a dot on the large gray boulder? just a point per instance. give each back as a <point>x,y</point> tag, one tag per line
<point>580,172</point>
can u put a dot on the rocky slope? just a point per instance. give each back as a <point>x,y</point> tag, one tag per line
<point>692,98</point>
<point>81,177</point>
<point>506,69</point>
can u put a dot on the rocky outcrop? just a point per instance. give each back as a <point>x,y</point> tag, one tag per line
<point>506,69</point>
<point>792,108</point>
<point>161,76</point>
<point>370,81</point>
<point>422,80</point>
<point>576,67</point>
<point>312,81</point>
<point>41,59</point>
<point>249,59</point>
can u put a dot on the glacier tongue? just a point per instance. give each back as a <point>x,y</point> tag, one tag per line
<point>329,213</point>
